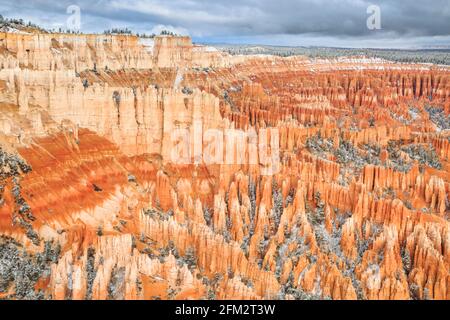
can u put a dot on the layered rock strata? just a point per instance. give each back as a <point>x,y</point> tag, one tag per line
<point>355,206</point>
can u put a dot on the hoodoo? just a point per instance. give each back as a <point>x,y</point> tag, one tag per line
<point>160,169</point>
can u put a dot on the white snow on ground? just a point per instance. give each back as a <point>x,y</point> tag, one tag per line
<point>178,78</point>
<point>205,49</point>
<point>8,29</point>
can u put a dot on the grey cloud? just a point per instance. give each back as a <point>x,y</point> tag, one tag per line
<point>248,18</point>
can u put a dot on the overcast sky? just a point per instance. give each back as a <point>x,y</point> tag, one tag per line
<point>404,23</point>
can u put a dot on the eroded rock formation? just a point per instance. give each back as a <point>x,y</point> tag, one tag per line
<point>355,204</point>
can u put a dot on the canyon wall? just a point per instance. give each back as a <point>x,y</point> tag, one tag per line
<point>355,206</point>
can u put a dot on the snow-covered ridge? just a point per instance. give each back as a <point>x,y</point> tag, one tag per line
<point>8,29</point>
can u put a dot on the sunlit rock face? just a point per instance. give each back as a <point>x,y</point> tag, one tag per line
<point>330,178</point>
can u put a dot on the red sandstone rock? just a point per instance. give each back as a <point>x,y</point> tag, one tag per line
<point>104,185</point>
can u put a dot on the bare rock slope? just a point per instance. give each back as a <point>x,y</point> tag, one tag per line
<point>93,204</point>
